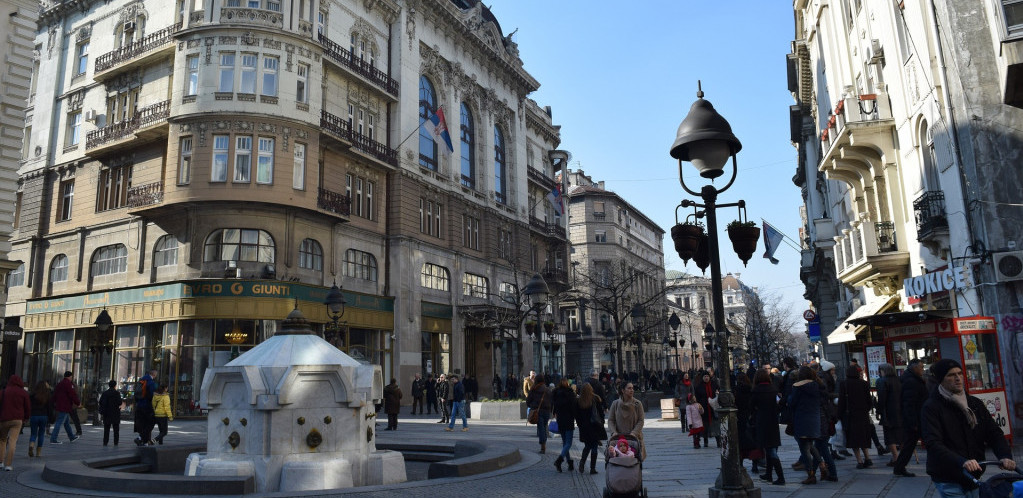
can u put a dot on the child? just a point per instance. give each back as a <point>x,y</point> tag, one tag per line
<point>162,412</point>
<point>622,449</point>
<point>694,417</point>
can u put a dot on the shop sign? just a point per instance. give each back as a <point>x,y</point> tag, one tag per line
<point>997,407</point>
<point>974,325</point>
<point>12,335</point>
<point>915,329</point>
<point>956,277</point>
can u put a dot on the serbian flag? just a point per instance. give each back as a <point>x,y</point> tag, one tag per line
<point>439,127</point>
<point>556,200</point>
<point>772,239</point>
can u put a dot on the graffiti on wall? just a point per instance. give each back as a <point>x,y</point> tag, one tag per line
<point>1010,339</point>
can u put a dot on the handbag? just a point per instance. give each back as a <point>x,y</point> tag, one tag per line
<point>553,426</point>
<point>677,402</point>
<point>534,414</point>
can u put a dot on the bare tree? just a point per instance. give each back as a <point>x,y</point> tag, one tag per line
<point>770,327</point>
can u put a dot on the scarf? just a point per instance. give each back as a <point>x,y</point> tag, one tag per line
<point>960,401</point>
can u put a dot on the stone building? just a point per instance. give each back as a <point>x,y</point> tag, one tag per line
<point>907,122</point>
<point>215,164</point>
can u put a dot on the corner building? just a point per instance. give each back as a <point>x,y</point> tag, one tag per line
<point>214,164</point>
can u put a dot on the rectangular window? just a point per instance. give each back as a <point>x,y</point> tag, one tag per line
<point>273,5</point>
<point>471,236</point>
<point>436,220</point>
<point>351,115</point>
<point>265,163</point>
<point>361,121</point>
<point>66,200</point>
<point>226,72</point>
<point>193,75</point>
<point>185,163</point>
<point>248,81</point>
<point>113,188</point>
<point>17,208</point>
<point>298,168</point>
<point>82,57</point>
<point>242,159</point>
<point>348,186</point>
<point>369,201</point>
<point>218,171</point>
<point>601,236</point>
<point>270,65</point>
<point>1013,15</point>
<point>598,209</point>
<point>26,142</point>
<point>429,217</point>
<point>475,286</point>
<point>301,94</point>
<point>357,200</point>
<point>253,4</point>
<point>370,127</point>
<point>234,3</point>
<point>74,128</point>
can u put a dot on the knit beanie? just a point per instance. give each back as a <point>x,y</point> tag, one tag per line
<point>941,368</point>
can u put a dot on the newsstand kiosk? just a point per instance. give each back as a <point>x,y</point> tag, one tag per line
<point>971,341</point>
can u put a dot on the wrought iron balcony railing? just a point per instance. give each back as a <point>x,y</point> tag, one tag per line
<point>930,213</point>
<point>342,130</point>
<point>538,177</point>
<point>134,50</point>
<point>358,65</point>
<point>334,202</point>
<point>549,229</point>
<point>145,195</point>
<point>148,116</point>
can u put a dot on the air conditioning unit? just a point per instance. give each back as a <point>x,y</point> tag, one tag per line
<point>90,115</point>
<point>129,26</point>
<point>1008,266</point>
<point>875,53</point>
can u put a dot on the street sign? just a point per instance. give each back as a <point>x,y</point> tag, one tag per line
<point>809,315</point>
<point>814,330</point>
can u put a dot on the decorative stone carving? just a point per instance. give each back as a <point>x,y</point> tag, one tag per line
<point>83,33</point>
<point>133,11</point>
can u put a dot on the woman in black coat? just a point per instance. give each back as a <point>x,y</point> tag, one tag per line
<point>563,405</point>
<point>704,390</point>
<point>889,408</point>
<point>764,418</point>
<point>539,400</point>
<point>591,426</point>
<point>743,399</point>
<point>854,405</point>
<point>805,402</point>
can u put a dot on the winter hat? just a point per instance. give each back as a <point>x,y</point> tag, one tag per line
<point>621,439</point>
<point>827,366</point>
<point>941,368</point>
<point>68,374</point>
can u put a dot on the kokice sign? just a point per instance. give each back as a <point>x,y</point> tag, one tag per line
<point>955,277</point>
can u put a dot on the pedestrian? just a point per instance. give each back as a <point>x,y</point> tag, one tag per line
<point>65,400</point>
<point>431,395</point>
<point>764,417</point>
<point>161,412</point>
<point>563,406</point>
<point>144,414</point>
<point>591,424</point>
<point>110,403</point>
<point>496,385</point>
<point>443,390</point>
<point>889,408</point>
<point>705,390</point>
<point>914,394</point>
<point>392,404</point>
<point>694,419</point>
<point>854,405</point>
<point>748,448</point>
<point>42,414</point>
<point>418,392</point>
<point>627,416</point>
<point>539,400</point>
<point>956,428</point>
<point>804,401</point>
<point>15,410</point>
<point>457,405</point>
<point>527,383</point>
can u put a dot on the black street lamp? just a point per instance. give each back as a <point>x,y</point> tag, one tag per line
<point>638,314</point>
<point>705,140</point>
<point>103,323</point>
<point>675,323</point>
<point>538,294</point>
<point>335,303</point>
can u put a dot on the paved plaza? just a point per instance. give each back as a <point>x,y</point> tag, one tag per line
<point>673,467</point>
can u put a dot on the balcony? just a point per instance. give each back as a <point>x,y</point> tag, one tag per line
<point>547,229</point>
<point>130,56</point>
<point>930,214</point>
<point>555,277</point>
<point>252,17</point>
<point>334,202</point>
<point>341,131</point>
<point>145,195</point>
<point>148,123</point>
<point>540,178</point>
<point>868,254</point>
<point>358,67</point>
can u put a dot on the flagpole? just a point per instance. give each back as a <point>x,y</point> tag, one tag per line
<point>410,134</point>
<point>794,244</point>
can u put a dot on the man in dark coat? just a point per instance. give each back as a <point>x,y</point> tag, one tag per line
<point>854,405</point>
<point>65,399</point>
<point>457,405</point>
<point>914,394</point>
<point>431,395</point>
<point>956,428</point>
<point>392,404</point>
<point>443,388</point>
<point>418,392</point>
<point>110,408</point>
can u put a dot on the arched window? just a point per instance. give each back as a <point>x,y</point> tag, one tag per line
<point>499,173</point>
<point>360,264</point>
<point>310,255</point>
<point>109,260</point>
<point>931,177</point>
<point>165,252</point>
<point>17,277</point>
<point>427,106</point>
<point>468,148</point>
<point>58,269</point>
<point>435,277</point>
<point>239,244</point>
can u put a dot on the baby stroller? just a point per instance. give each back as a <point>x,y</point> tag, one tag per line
<point>623,475</point>
<point>998,485</point>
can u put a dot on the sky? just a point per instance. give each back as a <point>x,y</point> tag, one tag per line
<point>621,76</point>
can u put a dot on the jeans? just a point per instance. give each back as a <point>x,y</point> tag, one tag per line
<point>566,444</point>
<point>771,452</point>
<point>541,425</point>
<point>821,444</point>
<point>456,408</point>
<point>63,419</point>
<point>37,423</point>
<point>954,490</point>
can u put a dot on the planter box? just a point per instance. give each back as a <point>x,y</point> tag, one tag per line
<point>498,410</point>
<point>668,410</point>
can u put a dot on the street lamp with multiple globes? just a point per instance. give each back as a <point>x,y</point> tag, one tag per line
<point>335,302</point>
<point>705,140</point>
<point>538,295</point>
<point>674,322</point>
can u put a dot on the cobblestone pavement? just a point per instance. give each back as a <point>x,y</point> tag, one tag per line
<point>673,467</point>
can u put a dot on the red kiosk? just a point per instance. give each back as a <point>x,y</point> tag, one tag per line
<point>973,342</point>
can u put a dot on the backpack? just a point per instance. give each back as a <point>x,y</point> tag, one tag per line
<point>143,391</point>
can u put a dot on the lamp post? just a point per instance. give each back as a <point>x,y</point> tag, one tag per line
<point>638,314</point>
<point>705,139</point>
<point>103,323</point>
<point>335,302</point>
<point>538,294</point>
<point>675,323</point>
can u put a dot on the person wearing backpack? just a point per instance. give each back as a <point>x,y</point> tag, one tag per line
<point>145,417</point>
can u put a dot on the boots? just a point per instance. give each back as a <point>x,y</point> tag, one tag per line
<point>543,447</point>
<point>776,462</point>
<point>770,470</point>
<point>593,463</point>
<point>557,463</point>
<point>811,477</point>
<point>31,450</point>
<point>571,467</point>
<point>39,451</point>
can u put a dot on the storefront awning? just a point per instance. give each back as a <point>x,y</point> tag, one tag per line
<point>847,330</point>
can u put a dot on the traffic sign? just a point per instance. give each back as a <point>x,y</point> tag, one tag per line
<point>809,315</point>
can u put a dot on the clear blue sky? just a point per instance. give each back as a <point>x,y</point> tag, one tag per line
<point>621,76</point>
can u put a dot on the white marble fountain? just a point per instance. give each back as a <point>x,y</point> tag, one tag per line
<point>296,414</point>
